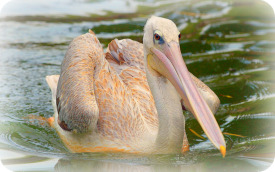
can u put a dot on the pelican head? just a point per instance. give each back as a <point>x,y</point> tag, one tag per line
<point>163,58</point>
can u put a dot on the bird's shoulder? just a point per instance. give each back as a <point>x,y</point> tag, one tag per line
<point>126,57</point>
<point>125,53</point>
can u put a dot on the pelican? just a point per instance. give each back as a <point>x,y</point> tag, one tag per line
<point>131,98</point>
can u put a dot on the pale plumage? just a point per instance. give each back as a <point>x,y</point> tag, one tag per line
<point>103,102</point>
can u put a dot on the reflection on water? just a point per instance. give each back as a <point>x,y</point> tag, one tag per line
<point>229,46</point>
<point>208,165</point>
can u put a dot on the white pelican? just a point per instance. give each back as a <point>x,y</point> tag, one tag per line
<point>131,98</point>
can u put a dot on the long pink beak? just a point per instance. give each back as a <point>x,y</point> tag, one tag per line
<point>179,76</point>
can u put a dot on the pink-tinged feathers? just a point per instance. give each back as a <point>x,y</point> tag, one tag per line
<point>103,101</point>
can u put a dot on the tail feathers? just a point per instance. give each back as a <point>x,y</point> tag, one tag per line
<point>52,81</point>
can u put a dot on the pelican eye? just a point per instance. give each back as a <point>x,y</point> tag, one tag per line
<point>157,37</point>
<point>180,36</point>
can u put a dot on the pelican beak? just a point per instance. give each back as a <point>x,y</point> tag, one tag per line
<point>177,73</point>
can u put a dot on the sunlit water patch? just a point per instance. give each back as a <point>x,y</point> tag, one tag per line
<point>264,46</point>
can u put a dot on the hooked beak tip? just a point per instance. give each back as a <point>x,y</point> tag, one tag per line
<point>223,151</point>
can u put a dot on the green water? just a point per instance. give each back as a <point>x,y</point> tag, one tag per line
<point>228,44</point>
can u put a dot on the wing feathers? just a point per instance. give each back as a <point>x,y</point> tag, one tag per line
<point>75,99</point>
<point>115,51</point>
<point>127,52</point>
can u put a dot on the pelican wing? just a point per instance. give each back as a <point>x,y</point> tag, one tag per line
<point>128,95</point>
<point>75,99</point>
<point>126,53</point>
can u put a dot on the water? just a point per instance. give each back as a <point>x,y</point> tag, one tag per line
<point>228,45</point>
